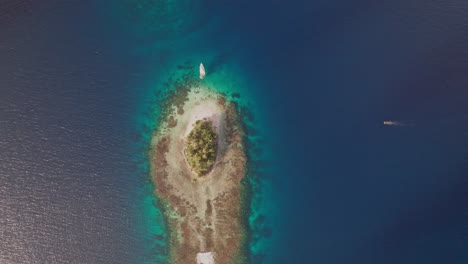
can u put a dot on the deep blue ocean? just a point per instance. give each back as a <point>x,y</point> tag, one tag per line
<point>81,83</point>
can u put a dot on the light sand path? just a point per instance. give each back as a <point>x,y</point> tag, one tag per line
<point>205,258</point>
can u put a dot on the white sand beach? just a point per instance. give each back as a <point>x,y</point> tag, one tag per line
<point>205,258</point>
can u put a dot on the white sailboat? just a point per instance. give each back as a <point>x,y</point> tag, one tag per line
<point>202,71</point>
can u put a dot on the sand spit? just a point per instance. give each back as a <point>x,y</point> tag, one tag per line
<point>205,258</point>
<point>203,213</point>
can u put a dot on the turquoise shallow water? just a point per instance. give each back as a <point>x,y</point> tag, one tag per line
<point>260,193</point>
<point>80,89</point>
<point>171,42</point>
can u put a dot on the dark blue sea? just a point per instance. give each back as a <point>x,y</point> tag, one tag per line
<point>81,86</point>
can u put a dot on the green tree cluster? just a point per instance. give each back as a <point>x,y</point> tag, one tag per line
<point>200,147</point>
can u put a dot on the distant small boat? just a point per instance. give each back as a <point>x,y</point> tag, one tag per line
<point>202,71</point>
<point>396,123</point>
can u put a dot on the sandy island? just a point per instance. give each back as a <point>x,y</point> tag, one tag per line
<point>203,213</point>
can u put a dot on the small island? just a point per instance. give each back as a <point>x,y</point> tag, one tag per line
<point>197,164</point>
<point>201,146</point>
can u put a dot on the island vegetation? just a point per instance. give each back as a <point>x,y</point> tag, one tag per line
<point>201,147</point>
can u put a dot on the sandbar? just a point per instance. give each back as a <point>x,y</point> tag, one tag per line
<point>204,213</point>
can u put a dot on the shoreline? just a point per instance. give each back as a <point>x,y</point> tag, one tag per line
<point>204,214</point>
